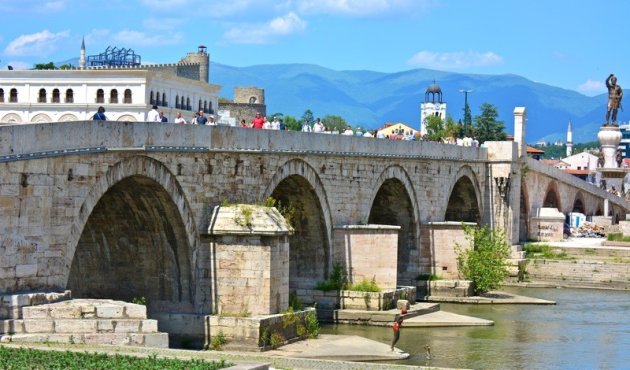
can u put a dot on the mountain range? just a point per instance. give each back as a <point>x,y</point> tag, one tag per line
<point>369,99</point>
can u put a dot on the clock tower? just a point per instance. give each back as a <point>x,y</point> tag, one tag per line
<point>432,106</point>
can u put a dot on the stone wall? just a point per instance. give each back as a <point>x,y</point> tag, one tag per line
<point>243,111</point>
<point>591,274</point>
<point>439,240</point>
<point>368,252</point>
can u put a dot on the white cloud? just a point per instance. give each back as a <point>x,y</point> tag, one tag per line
<point>165,4</point>
<point>592,87</point>
<point>362,8</point>
<point>264,33</point>
<point>26,6</point>
<point>54,5</point>
<point>454,60</point>
<point>36,44</point>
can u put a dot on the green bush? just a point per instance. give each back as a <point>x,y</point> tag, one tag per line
<point>276,340</point>
<point>312,325</point>
<point>336,281</point>
<point>485,263</point>
<point>365,286</point>
<point>21,358</point>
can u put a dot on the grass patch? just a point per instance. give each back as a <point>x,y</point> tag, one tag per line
<point>218,341</point>
<point>21,358</point>
<point>544,251</point>
<point>365,286</point>
<point>617,237</point>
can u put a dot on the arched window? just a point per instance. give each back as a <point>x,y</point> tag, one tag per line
<point>100,96</point>
<point>188,106</point>
<point>205,106</point>
<point>252,100</point>
<point>13,97</point>
<point>164,102</point>
<point>1,95</point>
<point>127,96</point>
<point>158,101</point>
<point>177,105</point>
<point>210,110</point>
<point>182,105</point>
<point>113,96</point>
<point>69,96</point>
<point>151,99</point>
<point>200,105</point>
<point>56,96</point>
<point>41,98</point>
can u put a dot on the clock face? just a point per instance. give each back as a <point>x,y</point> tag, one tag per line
<point>437,106</point>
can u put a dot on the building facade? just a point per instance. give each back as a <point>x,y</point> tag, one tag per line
<point>126,93</point>
<point>433,105</point>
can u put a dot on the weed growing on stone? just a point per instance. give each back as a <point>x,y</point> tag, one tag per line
<point>218,341</point>
<point>544,251</point>
<point>312,325</point>
<point>276,340</point>
<point>295,303</point>
<point>617,237</point>
<point>365,286</point>
<point>336,281</point>
<point>139,300</point>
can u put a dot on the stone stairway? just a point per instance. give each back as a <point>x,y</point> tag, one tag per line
<point>517,256</point>
<point>84,321</point>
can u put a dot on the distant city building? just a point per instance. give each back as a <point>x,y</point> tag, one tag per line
<point>624,145</point>
<point>126,92</point>
<point>433,105</point>
<point>392,128</point>
<point>535,153</point>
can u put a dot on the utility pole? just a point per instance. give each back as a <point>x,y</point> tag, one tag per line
<point>467,114</point>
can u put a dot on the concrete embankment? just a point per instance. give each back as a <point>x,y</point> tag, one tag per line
<point>585,264</point>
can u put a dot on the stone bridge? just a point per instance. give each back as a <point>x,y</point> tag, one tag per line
<point>121,210</point>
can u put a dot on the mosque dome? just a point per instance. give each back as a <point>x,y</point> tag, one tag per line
<point>434,88</point>
<point>433,93</point>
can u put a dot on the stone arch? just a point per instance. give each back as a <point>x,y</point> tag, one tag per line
<point>523,228</point>
<point>464,202</point>
<point>137,217</point>
<point>552,197</point>
<point>578,203</point>
<point>68,117</point>
<point>41,117</point>
<point>297,186</point>
<point>127,118</point>
<point>393,202</point>
<point>12,118</point>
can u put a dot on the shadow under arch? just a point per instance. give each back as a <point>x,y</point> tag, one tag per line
<point>297,188</point>
<point>394,203</point>
<point>552,197</point>
<point>464,203</point>
<point>135,236</point>
<point>578,203</point>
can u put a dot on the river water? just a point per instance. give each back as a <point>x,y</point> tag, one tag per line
<point>587,329</point>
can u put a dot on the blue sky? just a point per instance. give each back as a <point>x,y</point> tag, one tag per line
<point>572,44</point>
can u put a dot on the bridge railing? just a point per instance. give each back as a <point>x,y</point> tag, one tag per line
<point>571,180</point>
<point>23,141</point>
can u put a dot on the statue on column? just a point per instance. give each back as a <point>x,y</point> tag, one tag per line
<point>615,93</point>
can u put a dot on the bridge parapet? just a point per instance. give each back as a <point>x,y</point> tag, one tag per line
<point>573,181</point>
<point>18,141</point>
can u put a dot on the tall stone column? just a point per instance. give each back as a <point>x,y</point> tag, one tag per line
<point>609,138</point>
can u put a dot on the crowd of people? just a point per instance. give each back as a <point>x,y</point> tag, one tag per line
<point>262,123</point>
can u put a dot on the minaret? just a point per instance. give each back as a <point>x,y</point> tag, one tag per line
<point>569,140</point>
<point>82,56</point>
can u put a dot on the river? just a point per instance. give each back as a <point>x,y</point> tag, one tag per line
<point>587,329</point>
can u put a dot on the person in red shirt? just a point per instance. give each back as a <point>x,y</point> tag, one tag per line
<point>258,121</point>
<point>397,325</point>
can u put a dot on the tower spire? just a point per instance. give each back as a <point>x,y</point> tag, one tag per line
<point>569,140</point>
<point>82,55</point>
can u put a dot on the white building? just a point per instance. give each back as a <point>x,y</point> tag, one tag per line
<point>581,161</point>
<point>126,93</point>
<point>432,106</point>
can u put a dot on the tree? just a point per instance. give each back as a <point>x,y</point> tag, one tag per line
<point>49,65</point>
<point>485,263</point>
<point>487,128</point>
<point>66,66</point>
<point>334,123</point>
<point>453,129</point>
<point>435,128</point>
<point>308,116</point>
<point>292,123</point>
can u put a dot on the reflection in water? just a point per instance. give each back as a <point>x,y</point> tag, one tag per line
<point>587,329</point>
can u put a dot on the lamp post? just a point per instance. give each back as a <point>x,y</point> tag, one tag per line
<point>467,115</point>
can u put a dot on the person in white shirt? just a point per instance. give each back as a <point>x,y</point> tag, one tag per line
<point>266,124</point>
<point>275,125</point>
<point>306,127</point>
<point>380,134</point>
<point>153,115</point>
<point>179,119</point>
<point>318,126</point>
<point>211,121</point>
<point>348,131</point>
